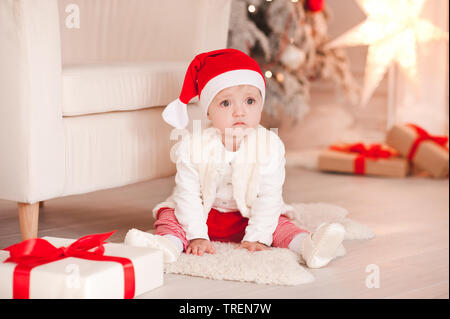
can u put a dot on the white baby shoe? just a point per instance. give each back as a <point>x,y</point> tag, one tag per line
<point>321,246</point>
<point>139,238</point>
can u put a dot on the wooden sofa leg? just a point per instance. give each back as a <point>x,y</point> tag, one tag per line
<point>28,218</point>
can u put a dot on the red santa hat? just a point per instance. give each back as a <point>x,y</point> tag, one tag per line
<point>207,75</point>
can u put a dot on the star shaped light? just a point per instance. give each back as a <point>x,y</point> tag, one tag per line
<point>392,31</point>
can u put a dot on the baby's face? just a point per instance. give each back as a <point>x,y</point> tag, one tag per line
<point>238,106</point>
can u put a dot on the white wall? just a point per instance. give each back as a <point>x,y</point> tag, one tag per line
<point>427,104</point>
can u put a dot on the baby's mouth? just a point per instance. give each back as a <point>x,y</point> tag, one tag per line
<point>239,123</point>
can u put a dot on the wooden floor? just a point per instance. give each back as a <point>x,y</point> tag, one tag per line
<point>410,217</point>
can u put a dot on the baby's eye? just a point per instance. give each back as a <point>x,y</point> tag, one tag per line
<point>251,101</point>
<point>225,103</point>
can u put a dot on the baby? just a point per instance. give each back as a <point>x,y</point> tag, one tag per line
<point>229,178</point>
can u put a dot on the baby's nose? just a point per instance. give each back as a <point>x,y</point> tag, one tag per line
<point>239,110</point>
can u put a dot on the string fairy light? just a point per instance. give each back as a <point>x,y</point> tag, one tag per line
<point>280,77</point>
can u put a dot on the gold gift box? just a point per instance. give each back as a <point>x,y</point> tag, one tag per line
<point>344,162</point>
<point>429,155</point>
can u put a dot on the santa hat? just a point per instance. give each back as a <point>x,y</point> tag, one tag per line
<point>207,75</point>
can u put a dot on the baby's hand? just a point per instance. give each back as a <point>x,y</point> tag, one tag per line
<point>252,246</point>
<point>200,245</point>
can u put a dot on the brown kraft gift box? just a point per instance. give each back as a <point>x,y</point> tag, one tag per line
<point>344,162</point>
<point>429,155</point>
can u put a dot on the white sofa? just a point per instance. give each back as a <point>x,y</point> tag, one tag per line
<point>80,108</point>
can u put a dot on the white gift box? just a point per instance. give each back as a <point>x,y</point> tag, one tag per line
<point>80,278</point>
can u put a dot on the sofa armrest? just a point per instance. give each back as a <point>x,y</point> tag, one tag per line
<point>213,28</point>
<point>31,124</point>
<point>112,31</point>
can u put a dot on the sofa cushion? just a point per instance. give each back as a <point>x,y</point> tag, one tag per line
<point>99,88</point>
<point>118,148</point>
<point>115,149</point>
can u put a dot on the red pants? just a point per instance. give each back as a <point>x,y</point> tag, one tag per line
<point>225,227</point>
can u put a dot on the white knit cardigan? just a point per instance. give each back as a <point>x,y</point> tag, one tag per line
<point>258,173</point>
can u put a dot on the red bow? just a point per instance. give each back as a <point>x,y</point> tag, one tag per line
<point>374,151</point>
<point>37,251</point>
<point>424,136</point>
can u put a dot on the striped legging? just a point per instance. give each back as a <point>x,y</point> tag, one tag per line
<point>225,227</point>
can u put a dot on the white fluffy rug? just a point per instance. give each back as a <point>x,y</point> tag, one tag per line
<point>277,266</point>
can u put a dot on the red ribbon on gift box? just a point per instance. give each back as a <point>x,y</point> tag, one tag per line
<point>374,151</point>
<point>37,251</point>
<point>423,135</point>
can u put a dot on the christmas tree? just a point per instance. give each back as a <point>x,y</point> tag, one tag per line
<point>288,38</point>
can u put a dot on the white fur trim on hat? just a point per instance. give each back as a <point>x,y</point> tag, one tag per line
<point>175,113</point>
<point>228,79</point>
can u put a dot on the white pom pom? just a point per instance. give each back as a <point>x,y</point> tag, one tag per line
<point>176,114</point>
